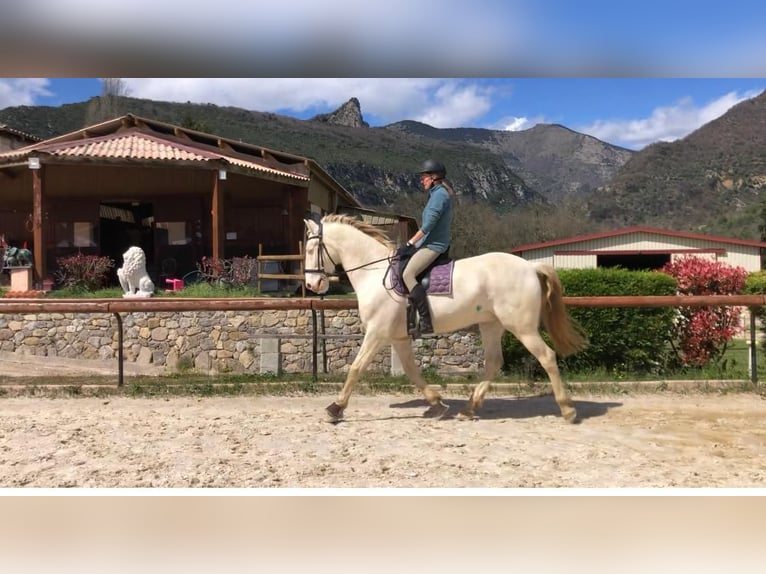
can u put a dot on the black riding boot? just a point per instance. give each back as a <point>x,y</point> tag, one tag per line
<point>418,296</point>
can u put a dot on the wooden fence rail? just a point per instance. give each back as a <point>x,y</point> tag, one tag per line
<point>140,305</point>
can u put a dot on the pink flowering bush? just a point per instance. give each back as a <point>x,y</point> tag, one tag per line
<point>703,333</point>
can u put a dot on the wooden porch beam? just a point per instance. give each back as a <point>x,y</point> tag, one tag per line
<point>217,215</point>
<point>37,224</point>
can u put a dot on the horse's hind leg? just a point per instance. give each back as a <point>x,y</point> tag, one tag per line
<point>403,349</point>
<point>370,346</point>
<point>547,357</point>
<point>491,338</point>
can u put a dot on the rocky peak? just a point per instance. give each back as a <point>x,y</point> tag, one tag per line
<point>349,115</point>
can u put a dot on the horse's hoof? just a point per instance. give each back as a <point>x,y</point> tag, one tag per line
<point>466,416</point>
<point>436,411</point>
<point>334,413</point>
<point>570,416</point>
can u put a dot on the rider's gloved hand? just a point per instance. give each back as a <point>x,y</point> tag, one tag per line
<point>406,250</point>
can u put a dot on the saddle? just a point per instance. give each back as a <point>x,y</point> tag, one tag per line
<point>436,279</point>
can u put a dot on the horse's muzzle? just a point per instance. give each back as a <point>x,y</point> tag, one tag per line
<point>317,283</point>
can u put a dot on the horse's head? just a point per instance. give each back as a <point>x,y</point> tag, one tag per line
<point>339,244</point>
<point>318,264</point>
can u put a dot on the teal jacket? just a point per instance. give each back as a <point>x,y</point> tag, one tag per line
<point>437,220</point>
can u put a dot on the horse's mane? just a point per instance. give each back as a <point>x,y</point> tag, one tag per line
<point>374,232</point>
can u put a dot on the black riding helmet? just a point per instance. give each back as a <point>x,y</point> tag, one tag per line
<point>433,166</point>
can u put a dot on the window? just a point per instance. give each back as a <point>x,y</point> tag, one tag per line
<point>172,233</point>
<point>83,234</point>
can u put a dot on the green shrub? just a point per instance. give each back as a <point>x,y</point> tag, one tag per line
<point>621,339</point>
<point>755,284</point>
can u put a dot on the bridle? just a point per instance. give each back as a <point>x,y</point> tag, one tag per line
<point>337,268</point>
<point>321,252</point>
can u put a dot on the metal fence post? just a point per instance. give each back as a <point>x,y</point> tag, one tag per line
<point>753,349</point>
<point>120,363</point>
<point>314,345</point>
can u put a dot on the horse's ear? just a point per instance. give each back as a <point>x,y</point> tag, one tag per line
<point>311,226</point>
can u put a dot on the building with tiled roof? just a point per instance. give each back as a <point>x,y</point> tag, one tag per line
<point>179,194</point>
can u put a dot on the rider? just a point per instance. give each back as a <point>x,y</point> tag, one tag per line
<point>431,240</point>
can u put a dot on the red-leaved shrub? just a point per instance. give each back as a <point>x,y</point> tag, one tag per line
<point>87,272</point>
<point>702,333</point>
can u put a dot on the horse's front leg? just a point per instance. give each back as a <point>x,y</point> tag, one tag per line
<point>491,338</point>
<point>371,344</point>
<point>403,349</point>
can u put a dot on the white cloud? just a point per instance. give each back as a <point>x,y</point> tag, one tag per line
<point>456,104</point>
<point>22,91</point>
<point>666,123</point>
<point>441,103</point>
<point>515,124</point>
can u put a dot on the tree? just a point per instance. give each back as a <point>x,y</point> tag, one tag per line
<point>192,123</point>
<point>107,106</point>
<point>703,333</point>
<point>114,87</point>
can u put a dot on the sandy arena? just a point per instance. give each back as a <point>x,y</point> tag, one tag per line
<point>653,440</point>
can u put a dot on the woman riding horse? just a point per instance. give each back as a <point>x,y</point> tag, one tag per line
<point>431,240</point>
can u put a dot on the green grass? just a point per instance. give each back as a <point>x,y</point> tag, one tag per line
<point>195,290</point>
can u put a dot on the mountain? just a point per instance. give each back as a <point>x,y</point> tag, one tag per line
<point>554,160</point>
<point>349,115</point>
<point>712,181</point>
<point>377,165</point>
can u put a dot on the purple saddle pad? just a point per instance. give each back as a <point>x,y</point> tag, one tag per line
<point>437,281</point>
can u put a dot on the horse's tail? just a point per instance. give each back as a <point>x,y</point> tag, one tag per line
<point>567,337</point>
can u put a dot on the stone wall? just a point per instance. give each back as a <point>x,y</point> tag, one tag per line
<point>225,341</point>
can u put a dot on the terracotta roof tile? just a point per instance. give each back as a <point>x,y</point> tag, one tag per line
<point>134,146</point>
<point>19,133</point>
<point>138,145</point>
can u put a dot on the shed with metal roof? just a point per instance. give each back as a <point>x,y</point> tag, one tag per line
<point>642,248</point>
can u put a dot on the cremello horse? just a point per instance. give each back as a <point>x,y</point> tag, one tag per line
<point>497,291</point>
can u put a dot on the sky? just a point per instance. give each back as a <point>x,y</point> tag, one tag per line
<point>628,73</point>
<point>628,112</point>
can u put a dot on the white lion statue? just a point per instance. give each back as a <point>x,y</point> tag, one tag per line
<point>133,277</point>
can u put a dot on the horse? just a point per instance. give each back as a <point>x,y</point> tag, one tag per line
<point>496,291</point>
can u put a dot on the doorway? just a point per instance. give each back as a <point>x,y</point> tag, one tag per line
<point>122,225</point>
<point>634,261</point>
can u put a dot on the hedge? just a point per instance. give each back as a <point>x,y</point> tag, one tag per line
<point>621,339</point>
